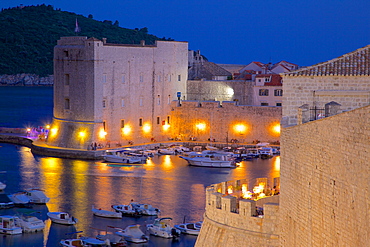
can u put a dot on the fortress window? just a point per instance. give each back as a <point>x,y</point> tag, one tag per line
<point>278,104</point>
<point>66,53</point>
<point>264,104</point>
<point>278,92</point>
<point>66,79</point>
<point>140,122</point>
<point>158,120</point>
<point>66,103</point>
<point>123,78</point>
<point>179,77</point>
<point>169,77</point>
<point>141,77</point>
<point>141,101</point>
<point>169,99</point>
<point>168,119</point>
<point>158,78</point>
<point>104,125</point>
<point>122,102</point>
<point>104,103</point>
<point>122,123</point>
<point>158,99</point>
<point>104,78</point>
<point>264,92</point>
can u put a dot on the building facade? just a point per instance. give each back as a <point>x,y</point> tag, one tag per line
<point>112,94</point>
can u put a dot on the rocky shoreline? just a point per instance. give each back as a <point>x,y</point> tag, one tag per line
<point>26,80</point>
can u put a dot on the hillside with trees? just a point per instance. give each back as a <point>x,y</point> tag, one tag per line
<point>28,35</point>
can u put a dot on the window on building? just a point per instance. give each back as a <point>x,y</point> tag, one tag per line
<point>66,53</point>
<point>278,92</point>
<point>104,125</point>
<point>122,102</point>
<point>104,78</point>
<point>141,77</point>
<point>278,104</point>
<point>159,78</point>
<point>168,119</point>
<point>264,104</point>
<point>141,101</point>
<point>169,77</point>
<point>158,99</point>
<point>122,123</point>
<point>140,122</point>
<point>264,92</point>
<point>267,79</point>
<point>66,79</point>
<point>66,103</point>
<point>104,103</point>
<point>179,77</point>
<point>169,99</point>
<point>123,79</point>
<point>158,120</point>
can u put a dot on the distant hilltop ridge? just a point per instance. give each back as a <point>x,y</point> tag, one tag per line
<point>28,35</point>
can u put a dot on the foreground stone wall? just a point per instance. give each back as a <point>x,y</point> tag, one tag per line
<point>229,221</point>
<point>325,181</point>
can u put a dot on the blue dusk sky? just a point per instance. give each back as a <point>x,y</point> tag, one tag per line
<point>239,31</point>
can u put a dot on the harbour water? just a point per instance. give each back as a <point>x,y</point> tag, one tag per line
<point>74,186</point>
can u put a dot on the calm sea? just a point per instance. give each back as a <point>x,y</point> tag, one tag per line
<point>74,186</point>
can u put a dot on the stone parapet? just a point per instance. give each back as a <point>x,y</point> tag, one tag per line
<point>231,221</point>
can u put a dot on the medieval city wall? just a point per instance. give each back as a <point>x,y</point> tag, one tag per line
<point>220,119</point>
<point>350,92</point>
<point>229,221</point>
<point>324,181</point>
<point>229,90</point>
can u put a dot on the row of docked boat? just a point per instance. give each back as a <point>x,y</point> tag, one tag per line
<point>11,225</point>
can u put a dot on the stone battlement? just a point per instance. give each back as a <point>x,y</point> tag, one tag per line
<point>233,221</point>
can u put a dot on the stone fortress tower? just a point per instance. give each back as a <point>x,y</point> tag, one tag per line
<point>112,93</point>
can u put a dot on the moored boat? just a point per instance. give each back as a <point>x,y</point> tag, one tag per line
<point>121,156</point>
<point>30,223</point>
<point>20,199</point>
<point>145,209</point>
<point>37,196</point>
<point>126,210</point>
<point>8,226</point>
<point>132,234</point>
<point>105,213</point>
<point>62,218</point>
<point>190,228</point>
<point>2,186</point>
<point>210,159</point>
<point>162,227</point>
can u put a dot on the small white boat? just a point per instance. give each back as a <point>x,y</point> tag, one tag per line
<point>30,223</point>
<point>8,226</point>
<point>62,218</point>
<point>166,151</point>
<point>126,210</point>
<point>84,242</point>
<point>19,198</point>
<point>190,228</point>
<point>210,159</point>
<point>145,209</point>
<point>121,156</point>
<point>162,228</point>
<point>2,186</point>
<point>133,234</point>
<point>105,213</point>
<point>115,240</point>
<point>37,196</point>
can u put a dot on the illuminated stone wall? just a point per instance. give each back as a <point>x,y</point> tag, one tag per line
<point>325,185</point>
<point>229,90</point>
<point>220,121</point>
<point>229,221</point>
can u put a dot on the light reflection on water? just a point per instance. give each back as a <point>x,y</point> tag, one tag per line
<point>74,186</point>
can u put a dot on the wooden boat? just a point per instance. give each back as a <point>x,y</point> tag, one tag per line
<point>162,228</point>
<point>105,213</point>
<point>62,218</point>
<point>8,226</point>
